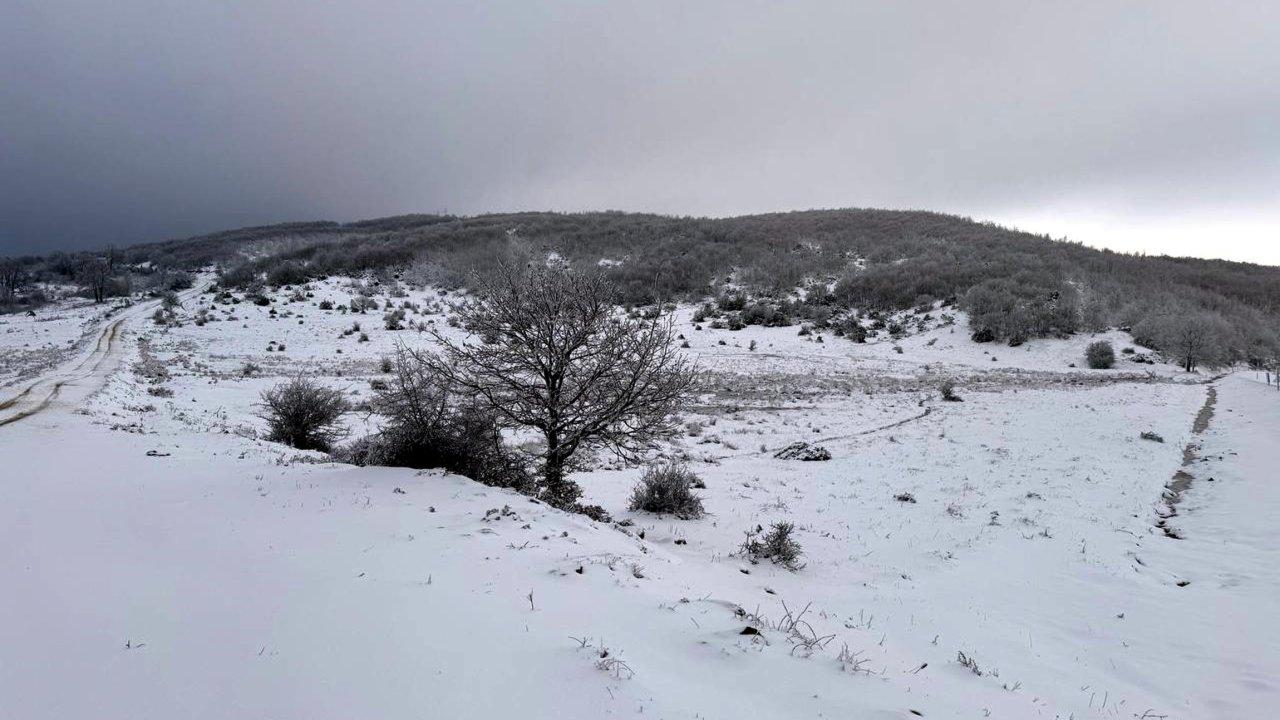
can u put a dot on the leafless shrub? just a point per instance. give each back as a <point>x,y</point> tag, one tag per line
<point>776,545</point>
<point>304,414</point>
<point>668,489</point>
<point>162,317</point>
<point>360,303</point>
<point>968,662</point>
<point>430,424</point>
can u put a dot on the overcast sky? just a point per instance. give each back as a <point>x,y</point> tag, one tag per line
<point>1149,126</point>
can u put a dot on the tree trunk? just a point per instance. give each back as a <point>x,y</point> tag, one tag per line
<point>557,490</point>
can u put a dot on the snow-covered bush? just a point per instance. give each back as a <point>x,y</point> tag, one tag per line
<point>1101,355</point>
<point>361,303</point>
<point>731,301</point>
<point>287,273</point>
<point>394,320</point>
<point>161,317</point>
<point>764,313</point>
<point>803,451</point>
<point>776,545</point>
<point>850,328</point>
<point>304,414</point>
<point>430,425</point>
<point>668,489</point>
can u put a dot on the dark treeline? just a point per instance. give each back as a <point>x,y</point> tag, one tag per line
<point>1015,285</point>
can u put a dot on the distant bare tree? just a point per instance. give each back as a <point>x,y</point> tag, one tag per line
<point>95,274</point>
<point>13,278</point>
<point>1195,339</point>
<point>557,356</point>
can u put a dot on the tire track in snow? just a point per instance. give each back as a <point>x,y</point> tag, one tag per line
<point>101,352</point>
<point>48,388</point>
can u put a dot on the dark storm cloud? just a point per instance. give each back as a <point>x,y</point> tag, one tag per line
<point>1138,125</point>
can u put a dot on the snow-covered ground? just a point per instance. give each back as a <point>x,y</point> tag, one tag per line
<point>31,343</point>
<point>163,562</point>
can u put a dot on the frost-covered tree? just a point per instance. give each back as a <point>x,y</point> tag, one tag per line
<point>95,275</point>
<point>1192,339</point>
<point>554,354</point>
<point>13,277</point>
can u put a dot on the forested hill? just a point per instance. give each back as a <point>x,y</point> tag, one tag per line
<point>1015,284</point>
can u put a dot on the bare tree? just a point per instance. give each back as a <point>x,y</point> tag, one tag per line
<point>1195,339</point>
<point>95,274</point>
<point>557,356</point>
<point>13,277</point>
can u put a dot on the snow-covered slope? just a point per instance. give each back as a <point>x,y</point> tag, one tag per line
<point>163,562</point>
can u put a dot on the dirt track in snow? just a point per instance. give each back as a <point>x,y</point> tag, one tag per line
<point>1181,481</point>
<point>40,394</point>
<point>84,373</point>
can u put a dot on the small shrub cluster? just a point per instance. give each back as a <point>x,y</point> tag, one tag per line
<point>1100,355</point>
<point>304,414</point>
<point>777,545</point>
<point>429,425</point>
<point>764,313</point>
<point>668,489</point>
<point>287,273</point>
<point>850,328</point>
<point>361,303</point>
